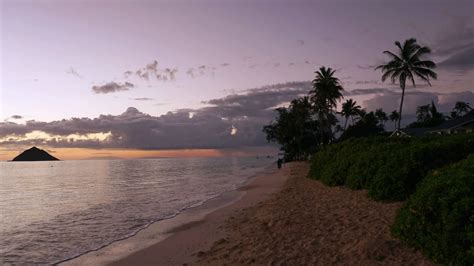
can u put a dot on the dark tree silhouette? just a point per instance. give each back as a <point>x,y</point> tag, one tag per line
<point>367,125</point>
<point>381,116</point>
<point>295,130</point>
<point>327,91</point>
<point>461,108</point>
<point>427,116</point>
<point>349,110</point>
<point>405,65</point>
<point>394,116</point>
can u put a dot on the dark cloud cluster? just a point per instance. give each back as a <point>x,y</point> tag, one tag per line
<point>16,117</point>
<point>461,62</point>
<point>112,87</point>
<point>456,44</point>
<point>389,99</point>
<point>229,122</point>
<point>459,36</point>
<point>208,127</point>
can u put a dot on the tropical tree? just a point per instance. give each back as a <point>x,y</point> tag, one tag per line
<point>461,108</point>
<point>427,116</point>
<point>326,92</point>
<point>407,64</point>
<point>367,125</point>
<point>349,110</point>
<point>381,116</point>
<point>295,130</point>
<point>394,116</point>
<point>423,113</point>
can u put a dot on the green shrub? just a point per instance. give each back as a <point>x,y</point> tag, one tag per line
<point>390,168</point>
<point>439,216</point>
<point>408,165</point>
<point>332,163</point>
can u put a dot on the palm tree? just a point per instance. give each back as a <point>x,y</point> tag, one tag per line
<point>394,116</point>
<point>405,65</point>
<point>461,108</point>
<point>349,109</point>
<point>327,91</point>
<point>381,116</point>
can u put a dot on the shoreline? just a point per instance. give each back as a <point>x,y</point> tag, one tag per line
<point>161,230</point>
<point>278,217</point>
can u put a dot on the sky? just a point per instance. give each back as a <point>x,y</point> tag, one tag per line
<point>104,78</point>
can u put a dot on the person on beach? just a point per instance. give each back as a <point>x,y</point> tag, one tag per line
<point>279,163</point>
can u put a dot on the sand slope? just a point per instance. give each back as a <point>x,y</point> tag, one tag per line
<point>309,223</point>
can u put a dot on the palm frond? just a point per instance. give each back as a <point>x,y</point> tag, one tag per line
<point>425,64</point>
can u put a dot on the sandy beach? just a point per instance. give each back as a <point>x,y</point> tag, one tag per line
<point>280,217</point>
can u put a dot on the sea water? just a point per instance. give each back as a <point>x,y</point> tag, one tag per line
<point>52,211</point>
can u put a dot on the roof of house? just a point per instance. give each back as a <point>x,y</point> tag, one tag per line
<point>449,124</point>
<point>455,122</point>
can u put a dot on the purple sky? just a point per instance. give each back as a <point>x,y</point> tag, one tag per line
<point>56,56</point>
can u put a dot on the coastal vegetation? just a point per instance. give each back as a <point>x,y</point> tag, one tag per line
<point>432,173</point>
<point>439,217</point>
<point>390,168</point>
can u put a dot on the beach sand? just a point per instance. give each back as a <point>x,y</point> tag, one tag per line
<point>281,218</point>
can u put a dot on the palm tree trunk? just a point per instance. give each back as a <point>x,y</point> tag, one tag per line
<point>402,85</point>
<point>345,124</point>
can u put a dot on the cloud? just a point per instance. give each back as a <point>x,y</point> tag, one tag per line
<point>368,91</point>
<point>112,87</point>
<point>153,72</point>
<point>143,99</point>
<point>73,72</point>
<point>363,82</point>
<point>242,114</point>
<point>16,117</point>
<point>200,71</point>
<point>365,67</point>
<point>390,100</point>
<point>300,42</point>
<point>459,35</point>
<point>462,61</point>
<point>225,64</point>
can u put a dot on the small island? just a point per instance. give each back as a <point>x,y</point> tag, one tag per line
<point>34,154</point>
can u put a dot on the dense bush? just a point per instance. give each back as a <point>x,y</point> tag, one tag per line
<point>389,168</point>
<point>439,216</point>
<point>331,164</point>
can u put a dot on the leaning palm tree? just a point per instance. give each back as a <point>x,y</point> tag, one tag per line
<point>461,108</point>
<point>406,65</point>
<point>327,91</point>
<point>349,110</point>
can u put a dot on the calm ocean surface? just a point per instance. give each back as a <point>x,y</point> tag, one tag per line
<point>51,211</point>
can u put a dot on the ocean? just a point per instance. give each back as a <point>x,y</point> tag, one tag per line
<point>53,211</point>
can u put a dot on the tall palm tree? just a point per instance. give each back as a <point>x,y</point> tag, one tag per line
<point>405,65</point>
<point>327,91</point>
<point>461,108</point>
<point>349,109</point>
<point>394,116</point>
